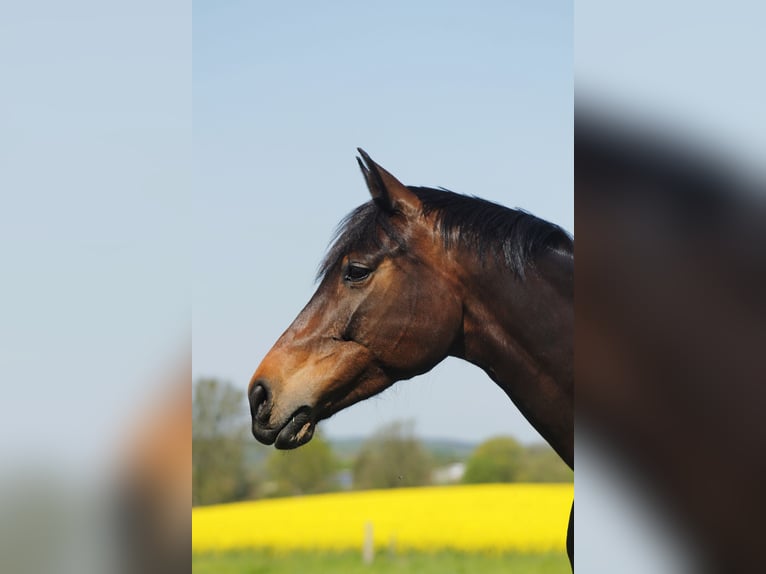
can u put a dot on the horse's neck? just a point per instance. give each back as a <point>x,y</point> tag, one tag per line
<point>521,333</point>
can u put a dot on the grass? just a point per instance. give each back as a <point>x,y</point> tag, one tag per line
<point>298,562</point>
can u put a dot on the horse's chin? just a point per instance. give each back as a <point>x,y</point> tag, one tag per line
<point>298,430</point>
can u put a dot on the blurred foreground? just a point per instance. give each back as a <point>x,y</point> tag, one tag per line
<point>670,335</point>
<point>127,514</point>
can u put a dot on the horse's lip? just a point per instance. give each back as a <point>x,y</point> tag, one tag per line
<point>264,435</point>
<point>298,430</point>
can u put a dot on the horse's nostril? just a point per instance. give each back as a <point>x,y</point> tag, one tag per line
<point>259,399</point>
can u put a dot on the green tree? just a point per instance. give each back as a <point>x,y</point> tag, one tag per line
<point>305,470</point>
<point>542,464</point>
<point>219,427</point>
<point>499,459</point>
<point>391,458</point>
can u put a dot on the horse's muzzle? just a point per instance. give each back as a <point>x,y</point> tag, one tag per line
<point>291,433</point>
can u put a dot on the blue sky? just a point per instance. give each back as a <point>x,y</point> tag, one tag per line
<point>475,98</point>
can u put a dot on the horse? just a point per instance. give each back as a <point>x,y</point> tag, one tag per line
<point>414,275</point>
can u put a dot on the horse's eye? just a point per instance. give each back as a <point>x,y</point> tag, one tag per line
<point>356,273</point>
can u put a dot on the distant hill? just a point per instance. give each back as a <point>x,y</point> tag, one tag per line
<point>443,450</point>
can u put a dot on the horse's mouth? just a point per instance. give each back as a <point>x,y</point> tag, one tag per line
<point>297,431</point>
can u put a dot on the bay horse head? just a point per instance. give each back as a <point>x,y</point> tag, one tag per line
<point>385,310</point>
<point>415,275</point>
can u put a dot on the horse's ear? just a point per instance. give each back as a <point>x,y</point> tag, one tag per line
<point>388,192</point>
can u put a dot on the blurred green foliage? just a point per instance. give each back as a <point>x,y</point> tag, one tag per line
<point>503,459</point>
<point>499,459</point>
<point>542,464</point>
<point>229,465</point>
<point>393,457</point>
<point>219,426</point>
<point>309,469</point>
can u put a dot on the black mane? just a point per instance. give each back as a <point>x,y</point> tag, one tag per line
<point>511,236</point>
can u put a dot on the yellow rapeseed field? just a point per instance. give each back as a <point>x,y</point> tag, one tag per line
<point>495,517</point>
